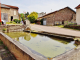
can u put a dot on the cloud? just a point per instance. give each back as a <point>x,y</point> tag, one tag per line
<point>41,5</point>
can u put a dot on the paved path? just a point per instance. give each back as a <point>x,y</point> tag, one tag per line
<point>54,29</point>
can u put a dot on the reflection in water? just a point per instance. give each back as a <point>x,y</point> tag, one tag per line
<point>62,41</point>
<point>47,46</point>
<point>16,35</point>
<point>33,35</point>
<point>27,37</point>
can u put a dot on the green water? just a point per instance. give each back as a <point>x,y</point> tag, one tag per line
<point>47,46</point>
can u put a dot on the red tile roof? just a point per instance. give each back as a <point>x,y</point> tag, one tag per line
<point>78,6</point>
<point>11,6</point>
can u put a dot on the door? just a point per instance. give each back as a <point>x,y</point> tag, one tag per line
<point>44,22</point>
<point>11,18</point>
<point>63,22</point>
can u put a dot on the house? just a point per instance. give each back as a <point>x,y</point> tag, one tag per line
<point>78,14</point>
<point>59,17</point>
<point>8,13</point>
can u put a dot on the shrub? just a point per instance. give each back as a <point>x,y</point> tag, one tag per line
<point>4,29</point>
<point>72,26</point>
<point>19,21</point>
<point>15,20</point>
<point>11,21</point>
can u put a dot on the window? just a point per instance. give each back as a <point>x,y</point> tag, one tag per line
<point>14,12</point>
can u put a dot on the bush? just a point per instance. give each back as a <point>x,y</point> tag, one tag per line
<point>15,20</point>
<point>4,29</point>
<point>11,22</point>
<point>72,26</point>
<point>19,21</point>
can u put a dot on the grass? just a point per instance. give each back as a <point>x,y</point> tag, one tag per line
<point>62,26</point>
<point>72,28</point>
<point>5,47</point>
<point>1,42</point>
<point>12,23</point>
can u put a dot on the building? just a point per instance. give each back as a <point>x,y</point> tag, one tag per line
<point>78,14</point>
<point>59,17</point>
<point>8,13</point>
<point>41,14</point>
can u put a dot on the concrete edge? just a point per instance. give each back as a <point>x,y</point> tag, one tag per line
<point>67,54</point>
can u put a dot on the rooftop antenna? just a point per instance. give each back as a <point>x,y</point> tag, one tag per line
<point>51,10</point>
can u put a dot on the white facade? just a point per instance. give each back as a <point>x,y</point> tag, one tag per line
<point>78,16</point>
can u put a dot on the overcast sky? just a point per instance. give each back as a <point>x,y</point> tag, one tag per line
<point>41,5</point>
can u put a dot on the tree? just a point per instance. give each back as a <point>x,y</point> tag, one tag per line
<point>22,16</point>
<point>26,14</point>
<point>32,17</point>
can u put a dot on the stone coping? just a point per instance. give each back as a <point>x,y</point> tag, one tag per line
<point>53,34</point>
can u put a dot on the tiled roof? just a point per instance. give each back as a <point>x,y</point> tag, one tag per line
<point>78,6</point>
<point>12,6</point>
<point>58,10</point>
<point>8,6</point>
<point>3,6</point>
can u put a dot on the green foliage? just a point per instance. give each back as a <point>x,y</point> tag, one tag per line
<point>27,14</point>
<point>6,47</point>
<point>60,26</point>
<point>17,21</point>
<point>1,42</point>
<point>11,22</point>
<point>32,17</point>
<point>4,29</point>
<point>41,21</point>
<point>0,23</point>
<point>22,16</point>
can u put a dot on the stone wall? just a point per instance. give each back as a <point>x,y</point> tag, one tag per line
<point>12,28</point>
<point>10,13</point>
<point>65,14</point>
<point>7,11</point>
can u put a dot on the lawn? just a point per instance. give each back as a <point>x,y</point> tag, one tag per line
<point>60,26</point>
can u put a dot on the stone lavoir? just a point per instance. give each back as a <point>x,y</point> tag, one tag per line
<point>26,46</point>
